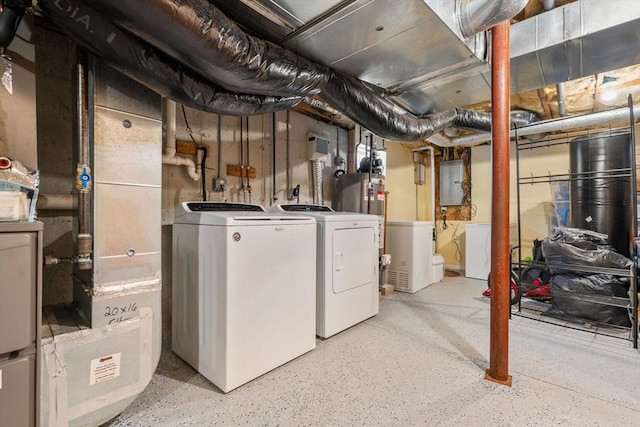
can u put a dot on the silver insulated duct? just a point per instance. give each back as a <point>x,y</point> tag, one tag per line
<point>199,40</point>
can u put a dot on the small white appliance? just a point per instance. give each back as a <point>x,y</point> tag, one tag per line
<point>347,266</point>
<point>437,268</point>
<point>478,249</point>
<point>243,289</point>
<point>410,244</point>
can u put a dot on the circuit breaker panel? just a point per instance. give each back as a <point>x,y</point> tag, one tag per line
<point>451,179</point>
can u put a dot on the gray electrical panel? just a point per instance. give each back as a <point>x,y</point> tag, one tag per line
<point>451,179</point>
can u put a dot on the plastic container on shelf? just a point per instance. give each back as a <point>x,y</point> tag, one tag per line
<point>17,202</point>
<point>561,202</point>
<point>18,191</point>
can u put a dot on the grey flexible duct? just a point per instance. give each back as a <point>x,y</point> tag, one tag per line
<point>11,14</point>
<point>195,32</point>
<point>153,69</point>
<point>375,114</point>
<point>197,35</point>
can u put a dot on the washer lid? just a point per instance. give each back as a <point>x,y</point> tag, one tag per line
<point>304,208</point>
<point>219,213</point>
<point>221,207</point>
<point>324,213</point>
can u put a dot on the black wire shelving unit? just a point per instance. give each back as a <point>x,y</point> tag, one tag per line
<point>535,310</point>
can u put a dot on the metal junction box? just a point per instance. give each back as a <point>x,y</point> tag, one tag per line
<point>451,178</point>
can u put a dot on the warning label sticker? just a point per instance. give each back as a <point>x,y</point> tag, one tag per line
<point>104,368</point>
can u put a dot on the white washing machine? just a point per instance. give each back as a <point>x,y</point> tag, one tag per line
<point>243,289</point>
<point>347,267</point>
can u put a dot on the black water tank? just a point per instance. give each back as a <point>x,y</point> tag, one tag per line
<point>602,203</point>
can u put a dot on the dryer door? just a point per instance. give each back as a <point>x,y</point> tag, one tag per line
<point>355,258</point>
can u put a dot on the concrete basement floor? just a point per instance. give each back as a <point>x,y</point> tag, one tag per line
<point>421,361</point>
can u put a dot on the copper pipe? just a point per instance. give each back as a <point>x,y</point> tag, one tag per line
<point>500,286</point>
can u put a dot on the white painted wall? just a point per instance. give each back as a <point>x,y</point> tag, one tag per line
<point>178,187</point>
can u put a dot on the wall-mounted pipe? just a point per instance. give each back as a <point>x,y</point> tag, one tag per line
<point>273,160</point>
<point>169,157</point>
<point>61,202</point>
<point>609,117</point>
<point>475,16</point>
<point>561,99</point>
<point>288,155</point>
<point>219,140</point>
<point>84,180</point>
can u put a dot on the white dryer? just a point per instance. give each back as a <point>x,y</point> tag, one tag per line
<point>347,266</point>
<point>243,289</point>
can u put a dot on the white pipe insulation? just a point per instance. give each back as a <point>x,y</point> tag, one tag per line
<point>169,157</point>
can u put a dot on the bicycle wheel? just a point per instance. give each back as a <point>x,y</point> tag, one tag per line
<point>516,290</point>
<point>535,283</point>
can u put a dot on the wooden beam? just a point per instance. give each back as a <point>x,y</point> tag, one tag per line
<point>544,101</point>
<point>324,116</point>
<point>596,92</point>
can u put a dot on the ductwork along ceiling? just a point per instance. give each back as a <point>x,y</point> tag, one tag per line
<point>403,70</point>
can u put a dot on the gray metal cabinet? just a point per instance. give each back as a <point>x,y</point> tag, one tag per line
<point>20,320</point>
<point>17,291</point>
<point>17,396</point>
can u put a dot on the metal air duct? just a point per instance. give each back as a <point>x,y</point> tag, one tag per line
<point>201,35</point>
<point>480,15</point>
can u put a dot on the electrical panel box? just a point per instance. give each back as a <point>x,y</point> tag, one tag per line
<point>451,179</point>
<point>317,148</point>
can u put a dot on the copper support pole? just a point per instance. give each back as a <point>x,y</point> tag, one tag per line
<point>500,287</point>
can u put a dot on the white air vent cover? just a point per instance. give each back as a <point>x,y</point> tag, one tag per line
<point>317,148</point>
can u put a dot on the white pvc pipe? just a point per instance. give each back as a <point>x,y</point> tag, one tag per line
<point>169,156</point>
<point>609,117</point>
